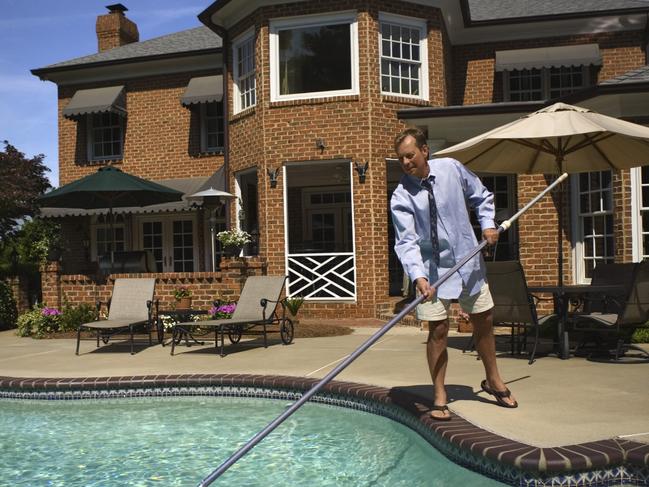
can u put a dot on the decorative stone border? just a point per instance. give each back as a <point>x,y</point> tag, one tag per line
<point>588,464</point>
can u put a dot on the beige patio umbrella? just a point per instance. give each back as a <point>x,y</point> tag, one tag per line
<point>557,139</point>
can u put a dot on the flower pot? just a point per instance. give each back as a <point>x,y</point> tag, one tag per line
<point>233,250</point>
<point>464,326</point>
<point>184,303</point>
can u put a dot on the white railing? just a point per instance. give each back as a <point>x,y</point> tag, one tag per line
<point>322,276</point>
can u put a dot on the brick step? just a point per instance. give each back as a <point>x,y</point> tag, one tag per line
<point>408,320</point>
<point>387,310</point>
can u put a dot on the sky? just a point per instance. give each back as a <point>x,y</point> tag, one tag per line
<point>37,33</point>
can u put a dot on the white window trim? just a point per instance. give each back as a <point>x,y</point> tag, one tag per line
<point>347,17</point>
<point>90,141</point>
<point>247,36</point>
<point>636,217</point>
<point>579,271</point>
<point>415,23</point>
<point>94,226</point>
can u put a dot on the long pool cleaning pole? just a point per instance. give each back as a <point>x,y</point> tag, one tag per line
<point>370,341</point>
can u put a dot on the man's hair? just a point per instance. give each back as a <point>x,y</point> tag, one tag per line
<point>418,135</point>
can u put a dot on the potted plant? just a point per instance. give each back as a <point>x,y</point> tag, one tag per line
<point>293,304</point>
<point>183,298</point>
<point>233,241</point>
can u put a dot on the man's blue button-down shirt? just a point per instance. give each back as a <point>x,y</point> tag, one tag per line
<point>455,188</point>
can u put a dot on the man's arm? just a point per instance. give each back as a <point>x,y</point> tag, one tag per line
<point>482,202</point>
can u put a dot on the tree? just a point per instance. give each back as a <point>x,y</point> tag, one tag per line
<point>23,180</point>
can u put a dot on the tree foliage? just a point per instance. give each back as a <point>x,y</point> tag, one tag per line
<point>23,180</point>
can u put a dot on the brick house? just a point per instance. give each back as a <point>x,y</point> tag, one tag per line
<point>293,106</point>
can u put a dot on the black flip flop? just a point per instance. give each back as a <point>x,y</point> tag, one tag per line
<point>499,395</point>
<point>440,408</point>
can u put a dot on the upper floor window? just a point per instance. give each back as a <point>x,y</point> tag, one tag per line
<point>105,136</point>
<point>544,84</point>
<point>314,56</point>
<point>211,127</point>
<point>403,56</point>
<point>245,89</point>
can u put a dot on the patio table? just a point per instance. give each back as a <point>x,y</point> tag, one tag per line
<point>563,296</point>
<point>178,334</point>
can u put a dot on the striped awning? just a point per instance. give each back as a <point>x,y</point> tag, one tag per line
<point>548,57</point>
<point>97,100</point>
<point>205,89</point>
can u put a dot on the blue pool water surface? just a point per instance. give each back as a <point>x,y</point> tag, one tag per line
<point>180,440</point>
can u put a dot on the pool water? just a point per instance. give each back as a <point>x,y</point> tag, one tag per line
<point>180,440</point>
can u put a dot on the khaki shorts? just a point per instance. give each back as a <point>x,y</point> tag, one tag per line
<point>437,308</point>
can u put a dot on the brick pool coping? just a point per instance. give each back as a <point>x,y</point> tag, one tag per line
<point>533,461</point>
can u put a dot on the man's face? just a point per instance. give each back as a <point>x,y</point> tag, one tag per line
<point>414,161</point>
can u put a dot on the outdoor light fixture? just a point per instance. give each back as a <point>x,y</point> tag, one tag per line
<point>361,170</point>
<point>320,144</point>
<point>273,177</point>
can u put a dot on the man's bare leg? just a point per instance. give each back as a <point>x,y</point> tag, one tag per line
<point>486,345</point>
<point>437,355</point>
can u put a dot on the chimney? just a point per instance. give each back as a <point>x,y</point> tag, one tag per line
<point>114,29</point>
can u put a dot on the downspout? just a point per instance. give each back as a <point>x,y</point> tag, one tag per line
<point>225,49</point>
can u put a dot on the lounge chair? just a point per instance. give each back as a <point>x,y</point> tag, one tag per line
<point>514,307</point>
<point>612,325</point>
<point>130,305</point>
<point>257,307</point>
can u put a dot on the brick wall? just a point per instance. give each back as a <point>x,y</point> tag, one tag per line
<point>225,285</point>
<point>162,136</point>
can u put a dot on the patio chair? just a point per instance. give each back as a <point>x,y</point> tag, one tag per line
<point>514,307</point>
<point>607,275</point>
<point>610,330</point>
<point>257,307</point>
<point>130,305</point>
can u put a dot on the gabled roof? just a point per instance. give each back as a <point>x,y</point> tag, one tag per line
<point>486,11</point>
<point>186,41</point>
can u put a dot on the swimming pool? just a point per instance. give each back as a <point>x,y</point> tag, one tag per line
<point>174,441</point>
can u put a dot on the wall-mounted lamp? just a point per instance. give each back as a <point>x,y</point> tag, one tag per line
<point>272,174</point>
<point>361,170</point>
<point>320,144</point>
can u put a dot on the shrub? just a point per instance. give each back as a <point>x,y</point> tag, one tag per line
<point>43,321</point>
<point>640,335</point>
<point>8,310</point>
<point>73,316</point>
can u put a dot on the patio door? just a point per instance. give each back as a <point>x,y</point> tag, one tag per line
<point>172,241</point>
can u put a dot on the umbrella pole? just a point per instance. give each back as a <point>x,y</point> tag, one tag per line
<point>367,344</point>
<point>212,228</point>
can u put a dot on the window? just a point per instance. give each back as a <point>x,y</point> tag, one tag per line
<point>212,127</point>
<point>101,241</point>
<point>403,56</point>
<point>503,188</point>
<point>314,57</point>
<point>594,222</point>
<point>543,84</point>
<point>245,90</point>
<point>105,136</point>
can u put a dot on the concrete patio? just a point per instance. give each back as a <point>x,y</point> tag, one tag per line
<point>562,402</point>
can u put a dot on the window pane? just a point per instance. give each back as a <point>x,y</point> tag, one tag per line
<point>314,59</point>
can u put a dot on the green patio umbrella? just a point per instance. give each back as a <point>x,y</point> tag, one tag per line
<point>109,188</point>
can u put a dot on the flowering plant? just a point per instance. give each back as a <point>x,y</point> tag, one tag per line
<point>222,311</point>
<point>50,311</point>
<point>233,238</point>
<point>182,292</point>
<point>168,322</point>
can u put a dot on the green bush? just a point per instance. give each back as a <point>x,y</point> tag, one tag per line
<point>73,316</point>
<point>43,321</point>
<point>8,310</point>
<point>641,335</point>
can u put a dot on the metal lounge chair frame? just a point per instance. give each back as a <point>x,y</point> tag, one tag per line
<point>131,304</point>
<point>618,318</point>
<point>514,305</point>
<point>257,307</point>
